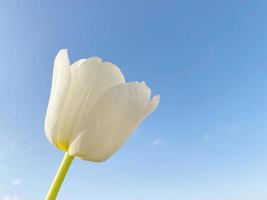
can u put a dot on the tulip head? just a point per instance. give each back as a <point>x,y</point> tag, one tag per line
<point>92,110</point>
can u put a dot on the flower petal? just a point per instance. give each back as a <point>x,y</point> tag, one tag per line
<point>153,104</point>
<point>90,78</point>
<point>114,117</point>
<point>59,90</point>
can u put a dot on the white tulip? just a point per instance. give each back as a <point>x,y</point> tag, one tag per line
<point>92,110</point>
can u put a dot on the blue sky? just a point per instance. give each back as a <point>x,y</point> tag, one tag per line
<point>208,61</point>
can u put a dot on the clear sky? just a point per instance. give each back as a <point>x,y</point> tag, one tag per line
<point>207,59</point>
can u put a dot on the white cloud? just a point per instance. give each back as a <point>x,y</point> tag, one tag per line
<point>156,141</point>
<point>9,197</point>
<point>205,138</point>
<point>16,182</point>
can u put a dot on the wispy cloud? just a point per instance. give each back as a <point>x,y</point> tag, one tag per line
<point>9,197</point>
<point>16,182</point>
<point>156,142</point>
<point>205,138</point>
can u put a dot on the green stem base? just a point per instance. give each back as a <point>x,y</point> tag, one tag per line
<point>61,173</point>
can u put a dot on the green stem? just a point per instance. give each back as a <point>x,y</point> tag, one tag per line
<point>61,173</point>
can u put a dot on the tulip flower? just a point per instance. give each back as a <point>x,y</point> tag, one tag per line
<point>92,111</point>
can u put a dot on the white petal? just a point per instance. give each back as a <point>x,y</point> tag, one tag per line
<point>114,117</point>
<point>90,78</point>
<point>59,90</point>
<point>153,104</point>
